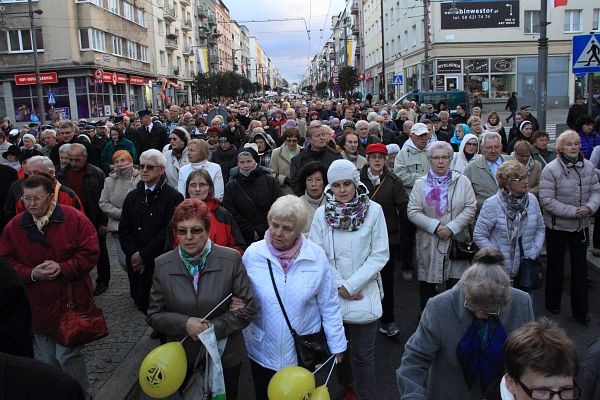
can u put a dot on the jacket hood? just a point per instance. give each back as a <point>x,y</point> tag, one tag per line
<point>267,138</point>
<point>414,149</point>
<point>463,143</point>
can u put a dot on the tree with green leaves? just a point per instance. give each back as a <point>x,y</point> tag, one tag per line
<point>348,80</point>
<point>321,87</point>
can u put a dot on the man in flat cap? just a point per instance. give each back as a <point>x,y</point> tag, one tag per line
<point>151,135</point>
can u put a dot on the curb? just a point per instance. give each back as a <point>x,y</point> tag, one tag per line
<point>125,377</point>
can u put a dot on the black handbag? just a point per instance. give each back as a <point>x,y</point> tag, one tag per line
<point>462,250</point>
<point>311,350</point>
<point>531,273</point>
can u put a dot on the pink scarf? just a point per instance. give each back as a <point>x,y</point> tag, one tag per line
<point>286,257</point>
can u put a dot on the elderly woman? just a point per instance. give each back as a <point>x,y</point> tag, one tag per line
<point>474,123</point>
<point>122,180</point>
<point>460,131</point>
<point>198,152</point>
<point>468,151</point>
<point>177,154</point>
<point>349,144</point>
<point>540,150</point>
<point>52,248</point>
<point>522,154</point>
<point>351,229</point>
<point>250,194</point>
<point>299,270</point>
<point>194,278</point>
<point>312,181</point>
<point>442,205</point>
<point>511,220</point>
<point>569,195</point>
<point>63,153</point>
<point>387,190</point>
<point>282,156</point>
<point>456,351</point>
<point>117,142</point>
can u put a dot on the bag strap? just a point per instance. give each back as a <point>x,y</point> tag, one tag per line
<point>521,248</point>
<point>287,320</point>
<point>378,187</point>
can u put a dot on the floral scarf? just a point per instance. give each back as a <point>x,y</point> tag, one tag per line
<point>515,208</point>
<point>436,191</point>
<point>195,263</point>
<point>42,221</point>
<point>347,216</point>
<point>286,257</point>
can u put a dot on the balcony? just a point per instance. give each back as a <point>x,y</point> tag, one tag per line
<point>213,59</point>
<point>212,21</point>
<point>202,12</point>
<point>175,71</point>
<point>186,25</point>
<point>213,39</point>
<point>169,13</point>
<point>188,50</point>
<point>185,2</point>
<point>355,7</point>
<point>171,43</point>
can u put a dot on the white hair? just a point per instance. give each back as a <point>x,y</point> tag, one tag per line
<point>371,116</point>
<point>155,155</point>
<point>361,123</point>
<point>487,135</point>
<point>49,132</point>
<point>64,149</point>
<point>374,126</point>
<point>290,207</point>
<point>79,147</point>
<point>440,145</point>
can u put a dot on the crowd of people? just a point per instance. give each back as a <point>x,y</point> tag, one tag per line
<point>301,209</point>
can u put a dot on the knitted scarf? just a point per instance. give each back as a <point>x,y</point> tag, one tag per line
<point>515,207</point>
<point>347,216</point>
<point>195,263</point>
<point>436,191</point>
<point>41,222</point>
<point>493,128</point>
<point>479,352</point>
<point>286,257</point>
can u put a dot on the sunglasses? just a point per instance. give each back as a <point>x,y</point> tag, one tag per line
<point>148,167</point>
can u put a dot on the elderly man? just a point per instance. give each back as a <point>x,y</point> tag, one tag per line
<point>49,141</point>
<point>150,135</point>
<point>67,134</point>
<point>410,164</point>
<point>318,149</point>
<point>145,218</point>
<point>88,181</point>
<point>364,136</point>
<point>386,134</point>
<point>482,172</point>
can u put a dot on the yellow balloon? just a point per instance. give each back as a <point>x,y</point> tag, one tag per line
<point>163,370</point>
<point>291,383</point>
<point>320,393</point>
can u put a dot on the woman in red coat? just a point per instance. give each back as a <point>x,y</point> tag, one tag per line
<point>50,246</point>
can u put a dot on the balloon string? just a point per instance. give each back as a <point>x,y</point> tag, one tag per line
<point>325,363</point>
<point>210,312</point>
<point>330,371</point>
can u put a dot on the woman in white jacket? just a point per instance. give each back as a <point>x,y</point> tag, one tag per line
<point>352,231</point>
<point>301,272</point>
<point>468,151</point>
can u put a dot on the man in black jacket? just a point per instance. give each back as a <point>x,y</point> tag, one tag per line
<point>318,137</point>
<point>68,134</point>
<point>145,218</point>
<point>150,135</point>
<point>576,111</point>
<point>88,181</point>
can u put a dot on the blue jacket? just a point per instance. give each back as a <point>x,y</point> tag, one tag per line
<point>588,142</point>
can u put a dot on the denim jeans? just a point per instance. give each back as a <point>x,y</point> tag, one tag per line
<point>69,359</point>
<point>358,367</point>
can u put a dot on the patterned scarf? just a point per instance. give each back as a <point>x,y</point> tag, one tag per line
<point>42,221</point>
<point>436,191</point>
<point>530,164</point>
<point>347,216</point>
<point>571,162</point>
<point>286,257</point>
<point>195,263</point>
<point>479,352</point>
<point>515,208</point>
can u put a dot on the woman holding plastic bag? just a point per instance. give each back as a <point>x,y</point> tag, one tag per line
<point>194,278</point>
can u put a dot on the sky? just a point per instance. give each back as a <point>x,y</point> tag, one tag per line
<point>286,43</point>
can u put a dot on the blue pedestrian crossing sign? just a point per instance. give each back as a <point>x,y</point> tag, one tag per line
<point>397,80</point>
<point>51,99</point>
<point>586,53</point>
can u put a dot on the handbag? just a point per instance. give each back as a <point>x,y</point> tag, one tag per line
<point>461,250</point>
<point>311,349</point>
<point>531,273</point>
<point>195,387</point>
<point>80,325</point>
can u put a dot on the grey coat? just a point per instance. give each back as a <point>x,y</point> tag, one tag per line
<point>429,368</point>
<point>563,190</point>
<point>484,183</point>
<point>173,300</point>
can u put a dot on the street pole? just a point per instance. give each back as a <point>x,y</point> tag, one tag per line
<point>383,93</point>
<point>38,83</point>
<point>590,99</point>
<point>542,77</point>
<point>426,48</point>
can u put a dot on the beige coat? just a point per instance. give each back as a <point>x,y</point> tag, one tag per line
<point>433,265</point>
<point>534,178</point>
<point>173,300</point>
<point>280,163</point>
<point>113,195</point>
<point>484,183</point>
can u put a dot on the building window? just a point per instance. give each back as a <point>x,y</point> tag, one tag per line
<point>413,36</point>
<point>96,2</point>
<point>141,17</point>
<point>161,27</point>
<point>596,21</point>
<point>91,39</point>
<point>117,46</point>
<point>114,6</point>
<point>20,41</point>
<point>131,50</point>
<point>128,11</point>
<point>532,21</point>
<point>163,59</point>
<point>573,21</point>
<point>143,53</point>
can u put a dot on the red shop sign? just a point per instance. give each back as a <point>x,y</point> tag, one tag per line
<point>136,80</point>
<point>29,79</point>
<point>361,77</point>
<point>113,77</point>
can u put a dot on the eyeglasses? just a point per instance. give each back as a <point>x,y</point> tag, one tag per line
<point>291,140</point>
<point>198,185</point>
<point>474,311</point>
<point>148,167</point>
<point>195,231</point>
<point>440,158</point>
<point>34,199</point>
<point>571,393</point>
<point>521,179</point>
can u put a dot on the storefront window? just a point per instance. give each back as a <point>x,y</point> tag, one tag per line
<point>477,83</point>
<point>26,105</point>
<point>502,86</point>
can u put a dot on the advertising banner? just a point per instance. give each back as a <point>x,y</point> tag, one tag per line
<point>475,14</point>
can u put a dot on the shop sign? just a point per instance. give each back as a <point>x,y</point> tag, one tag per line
<point>477,14</point>
<point>477,66</point>
<point>113,77</point>
<point>449,67</point>
<point>136,80</point>
<point>361,77</point>
<point>98,75</point>
<point>502,65</point>
<point>29,79</point>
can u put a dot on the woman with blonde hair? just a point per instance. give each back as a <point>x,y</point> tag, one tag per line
<point>198,152</point>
